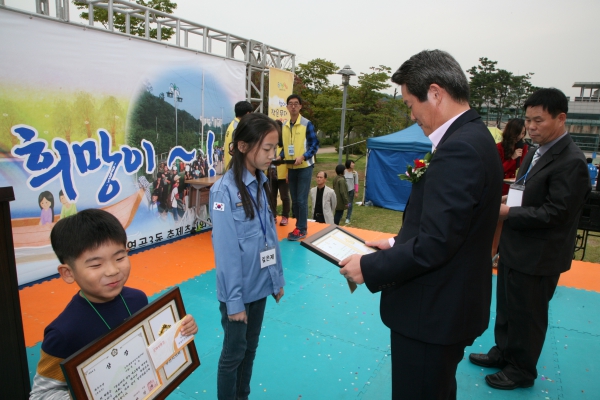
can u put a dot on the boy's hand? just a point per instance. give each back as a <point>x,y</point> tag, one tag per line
<point>240,317</point>
<point>188,326</point>
<point>278,295</point>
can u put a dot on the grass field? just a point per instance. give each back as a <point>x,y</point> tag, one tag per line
<point>384,220</point>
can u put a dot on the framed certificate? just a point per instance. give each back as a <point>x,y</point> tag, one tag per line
<point>119,365</point>
<point>334,244</point>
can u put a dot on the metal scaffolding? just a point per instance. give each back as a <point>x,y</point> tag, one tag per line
<point>188,35</point>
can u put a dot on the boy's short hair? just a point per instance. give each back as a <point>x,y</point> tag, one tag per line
<point>339,169</point>
<point>86,230</point>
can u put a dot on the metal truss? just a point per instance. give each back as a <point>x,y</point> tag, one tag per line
<point>188,35</point>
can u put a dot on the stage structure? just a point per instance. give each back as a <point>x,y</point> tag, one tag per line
<point>258,56</point>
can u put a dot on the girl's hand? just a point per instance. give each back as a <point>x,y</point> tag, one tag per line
<point>239,317</point>
<point>278,295</point>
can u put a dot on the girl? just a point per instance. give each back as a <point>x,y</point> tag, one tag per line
<point>46,202</point>
<point>250,270</point>
<point>512,149</point>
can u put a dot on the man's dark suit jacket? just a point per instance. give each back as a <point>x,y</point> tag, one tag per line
<point>436,280</point>
<point>538,238</point>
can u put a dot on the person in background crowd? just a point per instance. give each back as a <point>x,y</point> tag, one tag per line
<point>341,193</point>
<point>241,108</point>
<point>351,177</point>
<point>280,184</point>
<point>248,265</point>
<point>537,242</point>
<point>323,199</point>
<point>300,143</point>
<point>512,149</point>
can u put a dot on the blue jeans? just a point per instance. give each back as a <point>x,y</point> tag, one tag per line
<point>338,216</point>
<point>351,200</point>
<point>299,180</point>
<point>239,349</point>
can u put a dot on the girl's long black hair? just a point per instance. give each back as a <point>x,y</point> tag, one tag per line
<point>251,130</point>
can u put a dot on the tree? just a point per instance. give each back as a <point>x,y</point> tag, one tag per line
<point>84,113</point>
<point>112,117</point>
<point>483,85</point>
<point>137,26</point>
<point>62,119</point>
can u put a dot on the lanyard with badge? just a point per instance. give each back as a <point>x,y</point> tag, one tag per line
<point>267,256</point>
<point>515,191</point>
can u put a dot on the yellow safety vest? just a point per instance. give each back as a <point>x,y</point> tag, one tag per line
<point>229,139</point>
<point>281,169</point>
<point>296,135</point>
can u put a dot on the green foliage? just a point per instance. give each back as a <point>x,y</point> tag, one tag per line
<point>498,89</point>
<point>137,26</point>
<point>153,119</point>
<point>370,112</point>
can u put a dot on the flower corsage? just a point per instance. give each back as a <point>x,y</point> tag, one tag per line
<point>414,173</point>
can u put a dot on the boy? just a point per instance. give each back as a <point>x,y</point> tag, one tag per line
<point>91,246</point>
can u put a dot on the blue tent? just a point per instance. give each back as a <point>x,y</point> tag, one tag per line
<point>388,156</point>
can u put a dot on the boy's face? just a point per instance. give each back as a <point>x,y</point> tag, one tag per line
<point>100,273</point>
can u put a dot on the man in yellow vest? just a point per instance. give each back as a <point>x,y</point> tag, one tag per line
<point>241,108</point>
<point>300,144</point>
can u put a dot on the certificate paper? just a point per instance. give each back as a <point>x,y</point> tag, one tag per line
<point>123,372</point>
<point>334,244</point>
<point>341,245</point>
<point>119,366</point>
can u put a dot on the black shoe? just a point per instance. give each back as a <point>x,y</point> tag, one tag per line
<point>483,360</point>
<point>501,381</point>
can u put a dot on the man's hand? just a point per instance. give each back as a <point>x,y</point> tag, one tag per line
<point>188,326</point>
<point>278,295</point>
<point>239,317</point>
<point>299,160</point>
<point>351,269</point>
<point>382,244</point>
<point>503,212</point>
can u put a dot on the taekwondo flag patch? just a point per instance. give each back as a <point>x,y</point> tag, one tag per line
<point>218,206</point>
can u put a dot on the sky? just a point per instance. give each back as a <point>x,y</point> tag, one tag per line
<point>554,39</point>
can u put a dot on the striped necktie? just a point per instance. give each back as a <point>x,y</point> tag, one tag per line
<point>535,159</point>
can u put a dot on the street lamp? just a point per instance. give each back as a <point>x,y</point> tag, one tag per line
<point>174,93</point>
<point>346,73</point>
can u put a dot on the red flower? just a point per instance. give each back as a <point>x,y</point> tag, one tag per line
<point>419,164</point>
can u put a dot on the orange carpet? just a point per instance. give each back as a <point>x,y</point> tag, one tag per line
<point>165,266</point>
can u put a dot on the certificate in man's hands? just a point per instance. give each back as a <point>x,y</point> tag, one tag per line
<point>335,244</point>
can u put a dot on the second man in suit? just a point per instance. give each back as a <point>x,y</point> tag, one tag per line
<point>537,242</point>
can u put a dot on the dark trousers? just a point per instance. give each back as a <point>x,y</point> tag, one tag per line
<point>239,349</point>
<point>424,371</point>
<point>284,193</point>
<point>521,321</point>
<point>338,216</point>
<point>299,182</point>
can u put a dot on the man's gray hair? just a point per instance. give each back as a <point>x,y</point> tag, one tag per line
<point>433,66</point>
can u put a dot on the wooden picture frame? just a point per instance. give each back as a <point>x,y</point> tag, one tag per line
<point>334,243</point>
<point>119,363</point>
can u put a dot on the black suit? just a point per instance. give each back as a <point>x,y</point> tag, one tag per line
<point>536,246</point>
<point>436,279</point>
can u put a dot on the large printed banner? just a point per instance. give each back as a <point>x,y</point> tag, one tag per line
<point>90,119</point>
<point>280,87</point>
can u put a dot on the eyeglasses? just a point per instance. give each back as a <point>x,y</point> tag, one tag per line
<point>293,104</point>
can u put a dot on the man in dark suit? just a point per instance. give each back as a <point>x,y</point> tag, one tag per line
<point>537,242</point>
<point>435,276</point>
